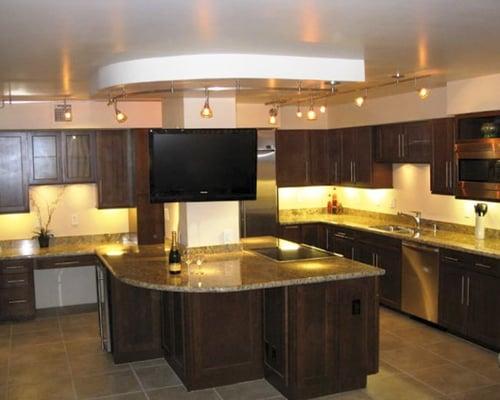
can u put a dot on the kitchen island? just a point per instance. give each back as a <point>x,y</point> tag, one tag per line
<point>310,327</point>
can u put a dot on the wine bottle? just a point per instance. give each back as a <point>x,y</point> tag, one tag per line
<point>174,257</point>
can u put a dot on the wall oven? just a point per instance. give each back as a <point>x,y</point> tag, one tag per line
<point>478,169</point>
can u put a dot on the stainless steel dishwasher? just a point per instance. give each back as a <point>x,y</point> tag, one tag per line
<point>420,281</point>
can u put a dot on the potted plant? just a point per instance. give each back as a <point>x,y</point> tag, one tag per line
<point>43,234</point>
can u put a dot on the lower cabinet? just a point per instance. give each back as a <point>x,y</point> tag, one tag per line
<point>469,297</point>
<point>17,294</point>
<point>342,241</point>
<point>198,343</point>
<point>312,234</point>
<point>135,322</point>
<point>309,346</point>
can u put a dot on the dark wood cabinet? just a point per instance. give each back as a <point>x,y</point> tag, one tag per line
<point>383,252</point>
<point>45,159</point>
<point>443,157</point>
<point>17,294</point>
<point>469,296</point>
<point>115,167</point>
<point>78,156</point>
<point>342,241</point>
<point>13,173</point>
<point>290,232</point>
<point>311,234</point>
<point>199,346</point>
<point>135,322</point>
<point>292,158</point>
<point>334,143</point>
<point>57,157</point>
<point>309,348</point>
<point>409,142</point>
<point>358,166</point>
<point>319,157</point>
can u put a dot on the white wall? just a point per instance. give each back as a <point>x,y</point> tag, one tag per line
<point>173,113</point>
<point>253,115</point>
<point>86,114</point>
<point>474,95</point>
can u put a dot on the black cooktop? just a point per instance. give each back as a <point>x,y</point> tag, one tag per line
<point>292,254</point>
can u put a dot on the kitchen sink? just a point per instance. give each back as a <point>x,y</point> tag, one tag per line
<point>395,228</point>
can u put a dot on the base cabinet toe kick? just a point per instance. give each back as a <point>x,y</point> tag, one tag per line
<point>306,340</point>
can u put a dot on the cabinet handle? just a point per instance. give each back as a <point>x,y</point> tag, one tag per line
<point>61,263</point>
<point>17,301</point>
<point>399,145</point>
<point>340,234</point>
<point>327,239</point>
<point>354,165</point>
<point>15,267</point>
<point>453,259</point>
<point>352,253</point>
<point>351,170</point>
<point>16,281</point>
<point>307,171</point>
<point>482,265</point>
<point>446,174</point>
<point>462,293</point>
<point>373,260</point>
<point>376,260</point>
<point>336,172</point>
<point>468,291</point>
<point>451,174</point>
<point>403,145</point>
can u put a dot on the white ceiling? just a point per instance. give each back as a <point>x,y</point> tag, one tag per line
<point>53,48</point>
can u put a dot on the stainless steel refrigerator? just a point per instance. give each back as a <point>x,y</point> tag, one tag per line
<point>259,217</point>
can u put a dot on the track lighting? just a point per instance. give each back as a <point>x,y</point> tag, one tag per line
<point>322,109</point>
<point>423,92</point>
<point>119,115</point>
<point>311,114</point>
<point>360,100</point>
<point>206,111</point>
<point>68,114</point>
<point>299,112</point>
<point>273,114</point>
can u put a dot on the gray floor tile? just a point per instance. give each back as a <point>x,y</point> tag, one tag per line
<point>180,393</point>
<point>157,377</point>
<point>106,385</point>
<point>254,390</point>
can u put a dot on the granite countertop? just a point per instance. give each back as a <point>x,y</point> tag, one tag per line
<point>441,238</point>
<point>147,267</point>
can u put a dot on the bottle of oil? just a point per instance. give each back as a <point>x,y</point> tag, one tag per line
<point>174,257</point>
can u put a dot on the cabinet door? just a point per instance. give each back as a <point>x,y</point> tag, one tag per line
<point>343,242</point>
<point>13,173</point>
<point>417,143</point>
<point>334,143</point>
<point>318,170</point>
<point>78,154</point>
<point>482,297</point>
<point>275,330</point>
<point>291,232</point>
<point>115,165</point>
<point>452,308</point>
<point>443,152</point>
<point>390,284</point>
<point>45,158</point>
<point>348,153</point>
<point>309,234</point>
<point>292,158</point>
<point>388,143</point>
<point>363,160</point>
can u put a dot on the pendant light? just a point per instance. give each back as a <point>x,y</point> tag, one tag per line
<point>360,100</point>
<point>273,114</point>
<point>299,112</point>
<point>311,114</point>
<point>422,92</point>
<point>206,111</point>
<point>120,116</point>
<point>322,109</point>
<point>68,114</point>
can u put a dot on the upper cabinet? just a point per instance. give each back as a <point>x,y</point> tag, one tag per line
<point>61,157</point>
<point>319,171</point>
<point>293,166</point>
<point>115,166</point>
<point>358,166</point>
<point>409,142</point>
<point>443,157</point>
<point>13,173</point>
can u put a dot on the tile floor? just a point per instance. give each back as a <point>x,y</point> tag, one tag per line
<point>58,357</point>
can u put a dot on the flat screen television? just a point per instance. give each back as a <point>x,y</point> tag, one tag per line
<point>202,164</point>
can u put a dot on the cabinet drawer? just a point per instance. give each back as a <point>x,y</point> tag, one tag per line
<point>457,258</point>
<point>486,265</point>
<point>65,262</point>
<point>15,280</point>
<point>343,233</point>
<point>17,303</point>
<point>16,266</point>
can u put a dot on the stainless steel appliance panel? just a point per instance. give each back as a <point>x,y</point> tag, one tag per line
<point>259,217</point>
<point>103,308</point>
<point>420,281</point>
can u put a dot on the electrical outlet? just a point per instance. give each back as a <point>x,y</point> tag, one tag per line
<point>75,220</point>
<point>393,203</point>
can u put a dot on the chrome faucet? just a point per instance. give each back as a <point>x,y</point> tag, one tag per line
<point>417,217</point>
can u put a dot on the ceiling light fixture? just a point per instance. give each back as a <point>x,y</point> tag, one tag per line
<point>423,92</point>
<point>299,112</point>
<point>120,116</point>
<point>68,114</point>
<point>322,109</point>
<point>206,111</point>
<point>311,114</point>
<point>360,100</point>
<point>273,114</point>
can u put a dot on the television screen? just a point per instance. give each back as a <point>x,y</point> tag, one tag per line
<point>202,164</point>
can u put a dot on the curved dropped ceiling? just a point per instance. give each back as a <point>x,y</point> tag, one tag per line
<point>227,66</point>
